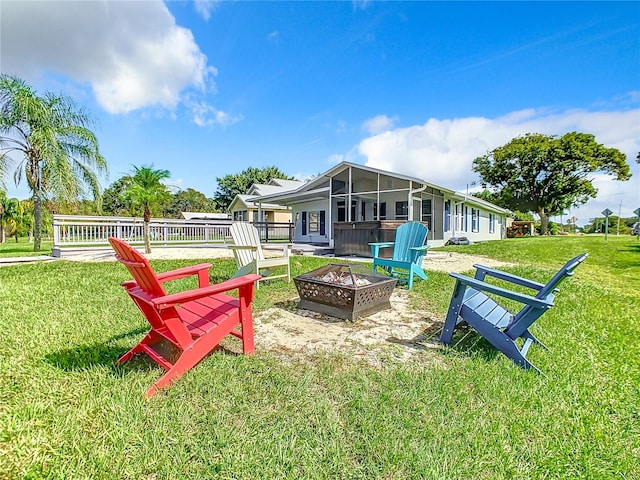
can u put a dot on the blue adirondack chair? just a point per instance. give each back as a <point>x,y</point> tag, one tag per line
<point>408,250</point>
<point>499,326</point>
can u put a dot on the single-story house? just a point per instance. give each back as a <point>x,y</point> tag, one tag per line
<point>243,208</point>
<point>354,204</point>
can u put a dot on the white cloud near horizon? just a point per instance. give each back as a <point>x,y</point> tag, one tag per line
<point>132,54</point>
<point>442,151</point>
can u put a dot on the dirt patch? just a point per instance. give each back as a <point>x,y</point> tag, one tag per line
<point>458,262</point>
<point>398,333</point>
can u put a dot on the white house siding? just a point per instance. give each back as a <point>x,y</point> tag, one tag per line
<point>461,225</point>
<point>299,211</point>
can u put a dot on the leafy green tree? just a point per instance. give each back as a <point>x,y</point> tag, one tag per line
<point>10,215</point>
<point>548,174</point>
<point>189,200</point>
<point>148,192</point>
<point>27,221</point>
<point>115,200</point>
<point>237,184</point>
<point>59,154</point>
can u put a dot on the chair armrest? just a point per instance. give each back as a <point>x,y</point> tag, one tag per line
<point>286,248</point>
<point>382,244</point>
<point>481,271</point>
<point>242,247</point>
<point>423,248</point>
<point>487,287</point>
<point>375,247</point>
<point>176,275</point>
<point>182,272</point>
<point>174,299</point>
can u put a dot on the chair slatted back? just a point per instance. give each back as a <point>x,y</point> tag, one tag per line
<point>409,235</point>
<point>138,267</point>
<point>563,273</point>
<point>245,234</point>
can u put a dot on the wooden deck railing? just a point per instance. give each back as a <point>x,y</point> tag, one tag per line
<point>86,231</point>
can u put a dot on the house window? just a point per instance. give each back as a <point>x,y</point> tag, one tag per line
<point>342,211</point>
<point>447,215</point>
<point>402,210</point>
<point>383,211</point>
<point>492,221</point>
<point>240,216</point>
<point>466,218</point>
<point>314,222</point>
<point>426,212</point>
<point>475,217</point>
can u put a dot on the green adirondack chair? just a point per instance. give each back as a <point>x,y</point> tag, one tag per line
<point>470,304</point>
<point>408,251</point>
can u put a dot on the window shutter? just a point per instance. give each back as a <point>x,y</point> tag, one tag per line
<point>322,222</point>
<point>304,223</point>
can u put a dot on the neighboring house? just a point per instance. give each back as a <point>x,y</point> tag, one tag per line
<point>204,216</point>
<point>350,198</point>
<point>243,208</point>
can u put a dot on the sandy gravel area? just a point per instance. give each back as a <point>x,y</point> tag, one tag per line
<point>397,334</point>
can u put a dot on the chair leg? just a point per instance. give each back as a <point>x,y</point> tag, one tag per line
<point>150,338</point>
<point>528,335</point>
<point>452,314</point>
<point>506,345</point>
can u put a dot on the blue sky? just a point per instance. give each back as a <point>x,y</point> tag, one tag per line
<point>204,89</point>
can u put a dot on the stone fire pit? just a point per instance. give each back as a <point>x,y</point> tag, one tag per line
<point>344,291</point>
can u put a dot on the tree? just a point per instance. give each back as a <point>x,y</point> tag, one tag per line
<point>147,191</point>
<point>545,174</point>
<point>60,155</point>
<point>189,200</point>
<point>237,184</point>
<point>10,215</point>
<point>115,200</point>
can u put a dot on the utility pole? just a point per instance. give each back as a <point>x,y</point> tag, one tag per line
<point>606,212</point>
<point>619,212</point>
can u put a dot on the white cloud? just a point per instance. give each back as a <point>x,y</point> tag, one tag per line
<point>273,36</point>
<point>378,124</point>
<point>205,115</point>
<point>132,53</point>
<point>205,7</point>
<point>442,151</point>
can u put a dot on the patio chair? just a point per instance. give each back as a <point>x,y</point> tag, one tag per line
<point>250,257</point>
<point>408,250</point>
<point>471,304</point>
<point>185,326</point>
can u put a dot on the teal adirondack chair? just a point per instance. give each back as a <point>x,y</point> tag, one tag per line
<point>408,250</point>
<point>500,327</point>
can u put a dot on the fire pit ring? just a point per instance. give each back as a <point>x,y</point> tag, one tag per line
<point>338,291</point>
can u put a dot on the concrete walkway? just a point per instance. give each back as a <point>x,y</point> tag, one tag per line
<point>16,260</point>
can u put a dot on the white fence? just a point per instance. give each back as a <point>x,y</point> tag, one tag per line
<point>89,231</point>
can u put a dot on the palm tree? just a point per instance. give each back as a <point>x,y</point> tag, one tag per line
<point>147,191</point>
<point>59,154</point>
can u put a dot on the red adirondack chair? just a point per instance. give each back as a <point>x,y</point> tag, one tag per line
<point>185,326</point>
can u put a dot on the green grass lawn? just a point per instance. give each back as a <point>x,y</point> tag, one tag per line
<point>68,411</point>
